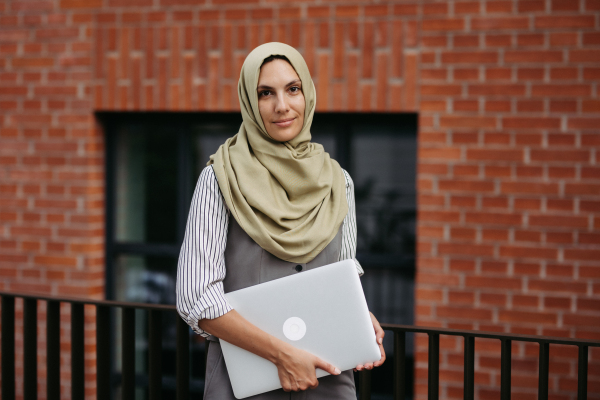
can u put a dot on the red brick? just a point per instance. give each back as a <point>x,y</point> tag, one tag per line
<point>528,252</point>
<point>448,24</point>
<point>447,153</point>
<point>497,90</point>
<point>582,188</point>
<point>588,304</point>
<point>466,41</point>
<point>581,320</point>
<point>563,105</point>
<point>527,236</point>
<point>563,303</point>
<point>466,170</point>
<point>558,221</point>
<point>481,282</point>
<point>564,74</point>
<point>499,23</point>
<point>463,313</point>
<point>494,202</point>
<point>439,216</point>
<point>582,254</point>
<point>563,21</point>
<point>559,270</point>
<point>525,301</point>
<point>560,204</point>
<point>530,39</point>
<point>533,56</point>
<point>466,185</point>
<point>494,235</point>
<point>529,171</point>
<point>589,238</point>
<point>456,297</point>
<point>60,261</point>
<point>521,268</point>
<point>590,106</point>
<point>470,57</point>
<point>545,285</point>
<point>493,218</point>
<point>570,90</point>
<point>527,317</point>
<point>529,187</point>
<point>492,40</point>
<point>462,233</point>
<point>465,249</point>
<point>467,7</point>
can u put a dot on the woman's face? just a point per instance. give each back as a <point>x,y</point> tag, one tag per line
<point>280,100</point>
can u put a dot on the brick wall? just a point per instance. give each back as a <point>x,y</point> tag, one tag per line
<point>509,185</point>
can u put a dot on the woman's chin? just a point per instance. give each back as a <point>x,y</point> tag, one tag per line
<point>284,134</point>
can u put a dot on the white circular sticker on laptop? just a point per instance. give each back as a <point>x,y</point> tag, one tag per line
<point>294,328</point>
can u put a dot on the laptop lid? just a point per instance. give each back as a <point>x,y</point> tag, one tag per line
<point>322,311</point>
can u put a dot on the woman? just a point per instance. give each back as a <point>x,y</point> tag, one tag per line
<point>269,204</point>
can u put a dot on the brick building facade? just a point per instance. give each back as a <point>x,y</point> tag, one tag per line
<point>508,102</point>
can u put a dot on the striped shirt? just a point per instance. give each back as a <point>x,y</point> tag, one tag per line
<point>201,267</point>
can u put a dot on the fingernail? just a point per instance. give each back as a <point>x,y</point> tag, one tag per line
<point>380,340</point>
<point>337,371</point>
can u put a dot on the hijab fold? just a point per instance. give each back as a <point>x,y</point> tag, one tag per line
<point>289,197</point>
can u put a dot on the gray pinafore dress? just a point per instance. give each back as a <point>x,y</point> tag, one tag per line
<point>247,265</point>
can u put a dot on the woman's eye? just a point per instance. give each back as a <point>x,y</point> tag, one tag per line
<point>264,93</point>
<point>294,89</point>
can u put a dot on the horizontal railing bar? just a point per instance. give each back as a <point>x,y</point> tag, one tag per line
<point>110,303</point>
<point>490,335</point>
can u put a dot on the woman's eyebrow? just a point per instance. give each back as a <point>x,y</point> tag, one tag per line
<point>295,81</point>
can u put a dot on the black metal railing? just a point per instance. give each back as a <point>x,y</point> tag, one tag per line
<point>155,317</point>
<point>103,337</point>
<point>506,340</point>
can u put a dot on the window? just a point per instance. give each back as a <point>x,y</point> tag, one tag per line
<point>154,159</point>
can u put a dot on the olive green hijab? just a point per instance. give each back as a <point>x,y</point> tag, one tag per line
<point>288,197</point>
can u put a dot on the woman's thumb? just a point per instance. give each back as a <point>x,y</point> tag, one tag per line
<point>325,366</point>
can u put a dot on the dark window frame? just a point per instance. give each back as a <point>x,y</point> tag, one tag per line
<point>179,123</point>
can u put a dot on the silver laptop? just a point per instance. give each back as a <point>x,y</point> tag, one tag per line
<point>322,311</point>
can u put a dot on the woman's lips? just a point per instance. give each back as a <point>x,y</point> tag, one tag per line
<point>284,122</point>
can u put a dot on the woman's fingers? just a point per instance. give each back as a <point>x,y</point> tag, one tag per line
<point>325,366</point>
<point>379,334</point>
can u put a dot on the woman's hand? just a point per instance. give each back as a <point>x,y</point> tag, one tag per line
<point>379,334</point>
<point>297,369</point>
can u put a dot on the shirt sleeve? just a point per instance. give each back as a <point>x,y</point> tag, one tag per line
<point>201,266</point>
<point>349,227</point>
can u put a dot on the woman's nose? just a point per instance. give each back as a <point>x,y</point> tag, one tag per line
<point>282,104</point>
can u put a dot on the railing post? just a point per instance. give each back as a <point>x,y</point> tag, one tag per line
<point>8,348</point>
<point>77,352</point>
<point>543,371</point>
<point>505,363</point>
<point>154,354</point>
<point>183,362</point>
<point>364,378</point>
<point>30,349</point>
<point>582,371</point>
<point>469,372</point>
<point>53,350</point>
<point>128,353</point>
<point>399,365</point>
<point>103,352</point>
<point>433,373</point>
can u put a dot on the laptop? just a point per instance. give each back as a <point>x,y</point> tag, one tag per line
<point>322,311</point>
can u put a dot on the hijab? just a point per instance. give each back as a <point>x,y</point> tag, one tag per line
<point>289,197</point>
